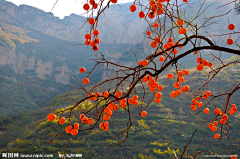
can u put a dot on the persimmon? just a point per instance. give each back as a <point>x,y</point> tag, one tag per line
<point>205,62</point>
<point>76,126</point>
<point>95,5</point>
<point>115,107</point>
<point>184,0</point>
<point>175,51</point>
<point>210,64</point>
<point>85,80</point>
<point>152,89</point>
<point>106,109</point>
<point>199,67</point>
<point>141,14</point>
<point>231,27</point>
<point>216,136</point>
<point>88,36</point>
<point>95,32</point>
<point>74,132</point>
<point>61,120</point>
<point>179,74</point>
<point>194,101</point>
<point>101,126</point>
<point>161,58</point>
<point>87,42</point>
<point>176,85</point>
<point>82,70</point>
<point>173,94</point>
<point>91,21</point>
<point>222,121</point>
<point>153,44</point>
<point>233,106</point>
<point>114,1</point>
<point>106,124</point>
<point>133,8</point>
<point>170,44</point>
<point>106,117</point>
<point>105,93</point>
<point>183,89</point>
<point>119,93</point>
<point>135,97</point>
<point>97,41</point>
<point>145,79</point>
<point>217,111</point>
<point>109,113</point>
<point>144,113</point>
<point>170,76</point>
<point>181,79</point>
<point>154,7</point>
<point>86,6</point>
<point>182,31</point>
<point>155,25</point>
<point>215,123</point>
<point>110,105</point>
<point>230,41</point>
<point>51,117</point>
<point>84,120</point>
<point>68,129</point>
<point>210,126</point>
<point>214,128</point>
<point>180,22</point>
<point>152,2</point>
<point>208,93</point>
<point>194,108</point>
<point>91,2</point>
<point>135,102</point>
<point>90,121</point>
<point>234,156</point>
<point>124,100</point>
<point>157,100</point>
<point>81,116</point>
<point>178,92</point>
<point>234,109</point>
<point>204,96</point>
<point>148,32</point>
<point>145,62</point>
<point>157,40</point>
<point>159,4</point>
<point>92,43</point>
<point>166,46</point>
<point>123,105</point>
<point>95,47</point>
<point>158,95</point>
<point>187,87</point>
<point>170,40</point>
<point>151,15</point>
<point>199,60</point>
<point>197,98</point>
<point>130,101</point>
<point>160,11</point>
<point>160,88</point>
<point>206,110</point>
<point>185,72</point>
<point>225,117</point>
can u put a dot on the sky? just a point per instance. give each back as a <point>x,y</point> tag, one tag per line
<point>63,7</point>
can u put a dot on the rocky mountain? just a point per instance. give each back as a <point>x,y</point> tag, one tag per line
<point>119,26</point>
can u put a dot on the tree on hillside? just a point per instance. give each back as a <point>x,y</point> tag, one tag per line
<point>189,34</point>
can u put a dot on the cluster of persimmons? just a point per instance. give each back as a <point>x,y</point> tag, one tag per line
<point>154,8</point>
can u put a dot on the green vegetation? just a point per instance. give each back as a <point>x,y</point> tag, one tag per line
<point>167,127</point>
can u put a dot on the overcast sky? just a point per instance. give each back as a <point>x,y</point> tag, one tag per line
<point>63,7</point>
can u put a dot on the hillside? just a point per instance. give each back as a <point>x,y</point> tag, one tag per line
<point>168,125</point>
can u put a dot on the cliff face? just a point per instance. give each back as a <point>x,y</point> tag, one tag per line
<point>119,25</point>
